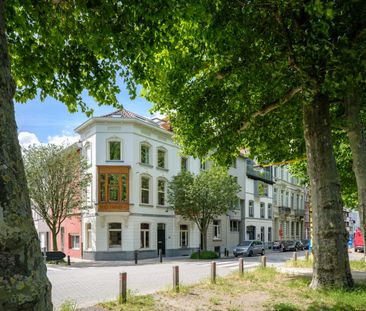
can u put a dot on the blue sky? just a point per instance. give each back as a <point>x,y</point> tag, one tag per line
<point>50,121</point>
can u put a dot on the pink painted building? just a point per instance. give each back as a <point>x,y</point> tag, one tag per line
<point>69,239</point>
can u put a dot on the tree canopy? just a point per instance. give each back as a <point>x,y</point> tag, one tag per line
<point>57,178</point>
<point>204,197</point>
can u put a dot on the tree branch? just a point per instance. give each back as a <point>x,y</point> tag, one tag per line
<point>271,106</point>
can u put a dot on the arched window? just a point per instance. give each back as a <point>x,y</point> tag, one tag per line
<point>161,191</point>
<point>162,158</point>
<point>145,153</point>
<point>114,149</point>
<point>145,189</point>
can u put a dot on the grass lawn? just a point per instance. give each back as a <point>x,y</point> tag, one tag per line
<point>261,289</point>
<point>356,265</point>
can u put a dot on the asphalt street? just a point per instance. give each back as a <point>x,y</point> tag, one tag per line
<point>88,283</point>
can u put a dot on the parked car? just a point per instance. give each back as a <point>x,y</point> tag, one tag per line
<point>305,243</point>
<point>288,245</point>
<point>359,242</point>
<point>298,245</point>
<point>249,248</point>
<point>276,245</point>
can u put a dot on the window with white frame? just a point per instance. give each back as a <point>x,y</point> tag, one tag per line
<point>88,152</point>
<point>217,229</point>
<point>251,208</point>
<point>161,191</point>
<point>262,210</point>
<point>114,150</point>
<point>145,189</point>
<point>145,235</point>
<point>162,158</point>
<point>183,164</point>
<point>75,241</point>
<point>145,153</point>
<point>269,234</point>
<point>115,235</point>
<point>183,236</point>
<point>203,165</point>
<point>269,211</point>
<point>88,232</point>
<point>234,225</point>
<point>262,234</point>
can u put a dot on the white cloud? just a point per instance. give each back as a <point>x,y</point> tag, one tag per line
<point>27,139</point>
<point>63,139</point>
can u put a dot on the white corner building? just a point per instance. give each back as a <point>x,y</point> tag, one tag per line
<point>132,160</point>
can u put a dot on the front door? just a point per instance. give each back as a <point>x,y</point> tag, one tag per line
<point>161,238</point>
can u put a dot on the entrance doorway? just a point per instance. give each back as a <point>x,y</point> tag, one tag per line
<point>161,238</point>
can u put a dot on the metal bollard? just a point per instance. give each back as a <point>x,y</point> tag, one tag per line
<point>241,266</point>
<point>263,261</point>
<point>122,296</point>
<point>160,255</point>
<point>176,279</point>
<point>294,256</point>
<point>213,272</point>
<point>136,255</point>
<point>306,255</point>
<point>68,260</point>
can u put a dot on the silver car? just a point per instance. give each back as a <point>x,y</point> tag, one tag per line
<point>249,248</point>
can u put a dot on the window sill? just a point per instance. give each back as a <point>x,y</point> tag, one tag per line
<point>162,206</point>
<point>216,239</point>
<point>146,164</point>
<point>146,205</point>
<point>75,249</point>
<point>115,161</point>
<point>162,169</point>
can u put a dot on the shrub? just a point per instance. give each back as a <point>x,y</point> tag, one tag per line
<point>205,255</point>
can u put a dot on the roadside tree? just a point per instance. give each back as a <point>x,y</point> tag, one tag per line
<point>57,179</point>
<point>204,197</point>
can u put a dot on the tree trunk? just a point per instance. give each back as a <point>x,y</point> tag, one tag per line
<point>204,239</point>
<point>54,240</point>
<point>24,284</point>
<point>355,133</point>
<point>331,264</point>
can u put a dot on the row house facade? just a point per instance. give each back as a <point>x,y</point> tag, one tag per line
<point>132,159</point>
<point>289,198</point>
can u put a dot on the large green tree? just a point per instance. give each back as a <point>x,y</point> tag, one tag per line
<point>48,48</point>
<point>57,178</point>
<point>219,68</point>
<point>204,197</point>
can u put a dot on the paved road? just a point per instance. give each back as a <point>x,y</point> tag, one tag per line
<point>88,283</point>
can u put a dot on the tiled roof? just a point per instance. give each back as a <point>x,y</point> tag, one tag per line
<point>125,114</point>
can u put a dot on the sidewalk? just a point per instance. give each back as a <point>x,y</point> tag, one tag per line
<point>84,263</point>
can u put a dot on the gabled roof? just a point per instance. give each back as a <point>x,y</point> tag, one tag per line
<point>128,115</point>
<point>125,114</point>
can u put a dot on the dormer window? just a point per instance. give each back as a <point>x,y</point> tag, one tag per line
<point>114,147</point>
<point>145,154</point>
<point>162,161</point>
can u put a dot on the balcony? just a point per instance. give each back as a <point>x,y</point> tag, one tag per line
<point>299,213</point>
<point>283,210</point>
<point>264,174</point>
